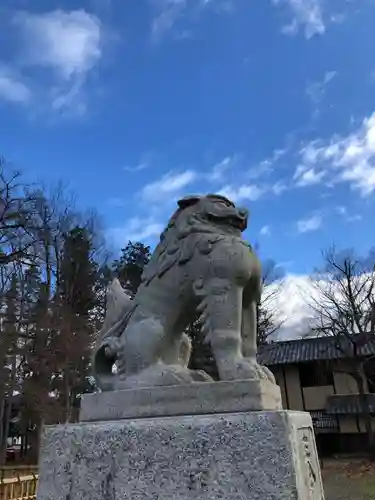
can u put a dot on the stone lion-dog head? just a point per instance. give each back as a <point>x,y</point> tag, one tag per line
<point>197,213</point>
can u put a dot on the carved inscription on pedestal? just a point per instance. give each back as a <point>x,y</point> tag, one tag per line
<point>310,464</point>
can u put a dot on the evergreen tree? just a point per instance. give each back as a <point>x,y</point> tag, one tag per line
<point>75,301</point>
<point>8,349</point>
<point>129,267</point>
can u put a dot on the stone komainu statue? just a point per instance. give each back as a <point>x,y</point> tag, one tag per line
<point>203,265</point>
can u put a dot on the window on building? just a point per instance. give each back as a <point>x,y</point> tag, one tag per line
<point>315,373</point>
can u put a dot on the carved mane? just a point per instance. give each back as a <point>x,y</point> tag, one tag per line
<point>176,248</point>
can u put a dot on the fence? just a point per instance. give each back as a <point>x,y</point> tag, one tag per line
<point>19,488</point>
<point>17,470</point>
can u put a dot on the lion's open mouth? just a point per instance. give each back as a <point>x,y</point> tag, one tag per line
<point>234,221</point>
<point>238,223</point>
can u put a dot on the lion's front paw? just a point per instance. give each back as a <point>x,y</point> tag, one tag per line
<point>244,368</point>
<point>267,372</point>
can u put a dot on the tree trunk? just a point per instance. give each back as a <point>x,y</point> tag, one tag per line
<point>2,413</point>
<point>6,421</point>
<point>8,412</point>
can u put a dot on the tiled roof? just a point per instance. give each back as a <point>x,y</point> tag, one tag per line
<point>348,404</point>
<point>309,349</point>
<point>323,420</point>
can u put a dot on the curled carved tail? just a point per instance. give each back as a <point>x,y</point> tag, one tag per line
<point>119,307</point>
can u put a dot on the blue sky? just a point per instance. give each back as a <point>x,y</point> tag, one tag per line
<point>136,103</point>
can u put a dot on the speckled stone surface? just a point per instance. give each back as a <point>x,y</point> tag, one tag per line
<point>190,399</point>
<point>247,456</point>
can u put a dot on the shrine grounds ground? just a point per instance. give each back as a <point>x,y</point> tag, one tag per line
<point>349,479</point>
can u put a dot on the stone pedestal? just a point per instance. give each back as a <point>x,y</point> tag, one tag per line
<point>247,455</point>
<point>192,399</point>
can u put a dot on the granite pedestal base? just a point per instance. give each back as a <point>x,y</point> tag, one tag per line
<point>189,399</point>
<point>259,455</point>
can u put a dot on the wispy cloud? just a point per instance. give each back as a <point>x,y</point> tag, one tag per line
<point>249,192</point>
<point>12,88</point>
<point>316,90</point>
<point>309,224</point>
<point>220,168</point>
<point>354,218</point>
<point>168,186</point>
<point>349,159</point>
<point>249,182</point>
<point>67,44</point>
<point>305,176</point>
<point>136,229</point>
<point>306,14</point>
<point>265,231</point>
<point>278,187</point>
<point>145,161</point>
<point>266,166</point>
<point>136,168</point>
<point>343,211</point>
<point>168,13</point>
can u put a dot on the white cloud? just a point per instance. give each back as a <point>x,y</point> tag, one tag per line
<point>291,306</point>
<point>307,14</point>
<point>341,210</point>
<point>12,89</point>
<point>309,224</point>
<point>297,293</point>
<point>265,231</point>
<point>136,168</point>
<point>245,192</point>
<point>316,92</point>
<point>354,218</point>
<point>168,186</point>
<point>169,12</point>
<point>69,42</point>
<point>305,176</point>
<point>220,168</point>
<point>349,159</point>
<point>66,43</point>
<point>279,187</point>
<point>266,166</point>
<point>136,229</point>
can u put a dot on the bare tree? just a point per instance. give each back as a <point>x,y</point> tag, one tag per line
<point>17,218</point>
<point>34,223</point>
<point>268,314</point>
<point>343,307</point>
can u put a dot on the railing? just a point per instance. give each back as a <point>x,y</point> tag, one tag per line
<point>19,488</point>
<point>17,470</point>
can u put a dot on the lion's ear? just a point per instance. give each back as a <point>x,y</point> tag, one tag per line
<point>188,201</point>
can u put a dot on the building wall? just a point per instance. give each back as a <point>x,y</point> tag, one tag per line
<point>296,397</point>
<point>279,373</point>
<point>293,388</point>
<point>315,398</point>
<point>344,383</point>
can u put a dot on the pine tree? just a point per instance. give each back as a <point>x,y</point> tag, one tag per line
<point>129,267</point>
<point>9,358</point>
<point>75,300</point>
